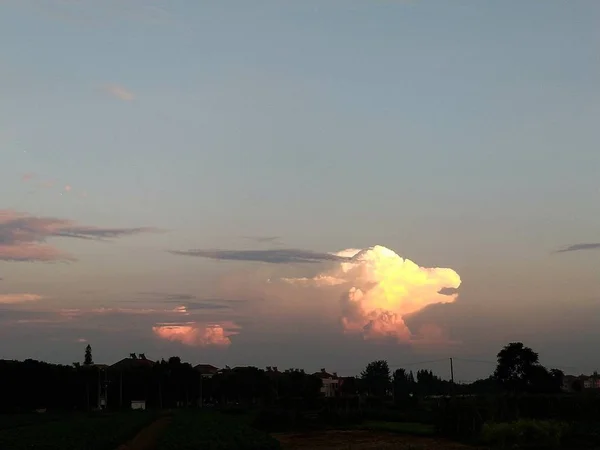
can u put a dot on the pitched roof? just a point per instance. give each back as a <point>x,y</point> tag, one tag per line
<point>324,374</point>
<point>130,363</point>
<point>206,368</point>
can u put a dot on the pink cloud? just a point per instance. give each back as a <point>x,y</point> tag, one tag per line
<point>23,236</point>
<point>19,298</point>
<point>197,334</point>
<point>32,252</point>
<point>119,92</point>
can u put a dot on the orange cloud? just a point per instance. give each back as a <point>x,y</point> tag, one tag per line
<point>197,334</point>
<point>381,288</point>
<point>18,298</point>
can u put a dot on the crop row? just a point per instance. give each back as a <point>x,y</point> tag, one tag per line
<point>213,431</point>
<point>81,432</point>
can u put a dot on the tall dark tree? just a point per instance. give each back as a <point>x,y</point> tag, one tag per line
<point>376,378</point>
<point>519,370</point>
<point>402,385</point>
<point>88,361</point>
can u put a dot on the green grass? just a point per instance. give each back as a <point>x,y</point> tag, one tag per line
<point>418,429</point>
<point>76,432</point>
<point>8,421</point>
<point>194,430</point>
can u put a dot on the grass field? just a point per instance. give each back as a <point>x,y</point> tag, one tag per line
<point>416,429</point>
<point>73,431</point>
<point>363,440</point>
<point>193,430</point>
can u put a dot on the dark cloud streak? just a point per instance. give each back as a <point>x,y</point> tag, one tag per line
<point>579,247</point>
<point>23,237</point>
<point>279,256</point>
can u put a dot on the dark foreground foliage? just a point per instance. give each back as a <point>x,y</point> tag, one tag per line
<point>76,432</point>
<point>192,430</point>
<point>572,421</point>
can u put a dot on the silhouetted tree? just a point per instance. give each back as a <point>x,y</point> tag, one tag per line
<point>519,370</point>
<point>376,378</point>
<point>401,385</point>
<point>88,361</point>
<point>349,386</point>
<point>515,366</point>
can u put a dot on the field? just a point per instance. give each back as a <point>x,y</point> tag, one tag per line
<point>71,432</point>
<point>195,430</point>
<point>362,440</point>
<point>198,430</point>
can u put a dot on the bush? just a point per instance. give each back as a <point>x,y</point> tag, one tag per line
<point>531,434</point>
<point>461,420</point>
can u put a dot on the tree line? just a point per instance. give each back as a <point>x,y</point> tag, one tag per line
<point>27,385</point>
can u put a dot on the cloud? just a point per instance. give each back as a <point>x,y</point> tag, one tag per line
<point>10,299</point>
<point>578,247</point>
<point>281,256</point>
<point>119,92</point>
<point>190,302</point>
<point>23,237</point>
<point>196,334</point>
<point>378,289</point>
<point>263,239</point>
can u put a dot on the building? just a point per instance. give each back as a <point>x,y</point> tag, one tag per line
<point>206,370</point>
<point>138,404</point>
<point>592,382</point>
<point>331,383</point>
<point>133,362</point>
<point>572,383</point>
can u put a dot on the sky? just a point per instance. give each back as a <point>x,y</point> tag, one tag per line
<point>311,184</point>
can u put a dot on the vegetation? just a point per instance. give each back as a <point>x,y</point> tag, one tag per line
<point>524,433</point>
<point>80,432</point>
<point>518,405</point>
<point>418,429</point>
<point>193,431</point>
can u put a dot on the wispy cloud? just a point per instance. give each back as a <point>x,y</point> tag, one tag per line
<point>11,299</point>
<point>579,247</point>
<point>188,301</point>
<point>263,239</point>
<point>279,256</point>
<point>119,92</point>
<point>23,237</point>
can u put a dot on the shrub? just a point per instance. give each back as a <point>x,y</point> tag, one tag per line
<point>531,434</point>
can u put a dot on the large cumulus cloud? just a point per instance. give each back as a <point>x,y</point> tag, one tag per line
<point>380,288</point>
<point>370,290</point>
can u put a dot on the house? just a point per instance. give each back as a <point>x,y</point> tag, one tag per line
<point>592,382</point>
<point>569,383</point>
<point>572,383</point>
<point>331,383</point>
<point>138,404</point>
<point>206,370</point>
<point>133,362</point>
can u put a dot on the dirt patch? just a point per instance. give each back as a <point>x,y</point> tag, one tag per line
<point>146,439</point>
<point>362,440</point>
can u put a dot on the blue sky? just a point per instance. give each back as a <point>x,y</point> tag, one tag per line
<point>459,134</point>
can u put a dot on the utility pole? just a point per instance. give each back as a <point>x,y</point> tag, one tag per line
<point>121,389</point>
<point>99,387</point>
<point>200,403</point>
<point>452,375</point>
